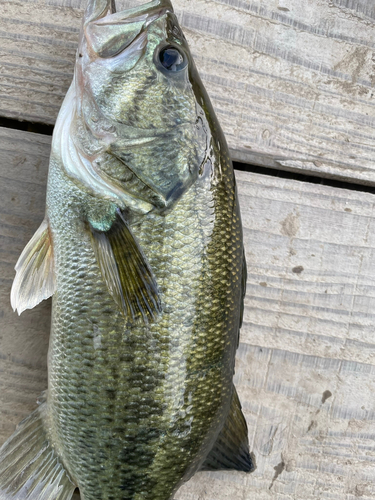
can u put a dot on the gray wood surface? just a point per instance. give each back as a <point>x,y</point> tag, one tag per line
<point>306,365</point>
<point>292,82</point>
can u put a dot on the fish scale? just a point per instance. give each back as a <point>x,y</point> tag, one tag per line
<point>142,251</point>
<point>155,357</point>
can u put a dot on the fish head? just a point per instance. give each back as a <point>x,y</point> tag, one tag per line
<point>138,117</point>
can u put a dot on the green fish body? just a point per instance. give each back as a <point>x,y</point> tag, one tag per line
<point>142,251</point>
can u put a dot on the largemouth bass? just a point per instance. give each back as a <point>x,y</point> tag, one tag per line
<point>141,248</point>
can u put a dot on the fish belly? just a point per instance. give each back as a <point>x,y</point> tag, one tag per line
<point>134,410</point>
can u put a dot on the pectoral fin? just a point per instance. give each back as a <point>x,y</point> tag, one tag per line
<point>125,270</point>
<point>35,276</point>
<point>231,449</point>
<point>29,466</point>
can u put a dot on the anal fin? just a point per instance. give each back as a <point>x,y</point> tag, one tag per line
<point>29,467</point>
<point>231,449</point>
<point>35,276</point>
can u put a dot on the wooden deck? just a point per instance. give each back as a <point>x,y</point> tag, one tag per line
<point>293,85</point>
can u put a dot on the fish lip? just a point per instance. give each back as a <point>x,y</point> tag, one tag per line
<point>106,43</point>
<point>149,8</point>
<point>154,8</point>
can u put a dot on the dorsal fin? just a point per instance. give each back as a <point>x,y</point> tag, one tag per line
<point>35,276</point>
<point>231,449</point>
<point>125,270</point>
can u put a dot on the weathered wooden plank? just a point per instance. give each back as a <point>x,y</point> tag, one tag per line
<point>306,362</point>
<point>292,82</point>
<point>23,340</point>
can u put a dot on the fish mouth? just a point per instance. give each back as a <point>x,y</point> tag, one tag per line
<point>109,33</point>
<point>98,10</point>
<point>152,8</point>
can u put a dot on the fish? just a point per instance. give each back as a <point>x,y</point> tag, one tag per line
<point>141,249</point>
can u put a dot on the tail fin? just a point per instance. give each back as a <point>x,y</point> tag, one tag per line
<point>29,467</point>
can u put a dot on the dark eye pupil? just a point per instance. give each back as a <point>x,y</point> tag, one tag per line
<point>171,59</point>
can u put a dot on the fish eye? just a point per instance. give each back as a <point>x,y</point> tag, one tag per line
<point>172,58</point>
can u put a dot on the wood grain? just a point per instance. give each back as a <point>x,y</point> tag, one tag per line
<point>306,362</point>
<point>292,82</point>
<point>23,340</point>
